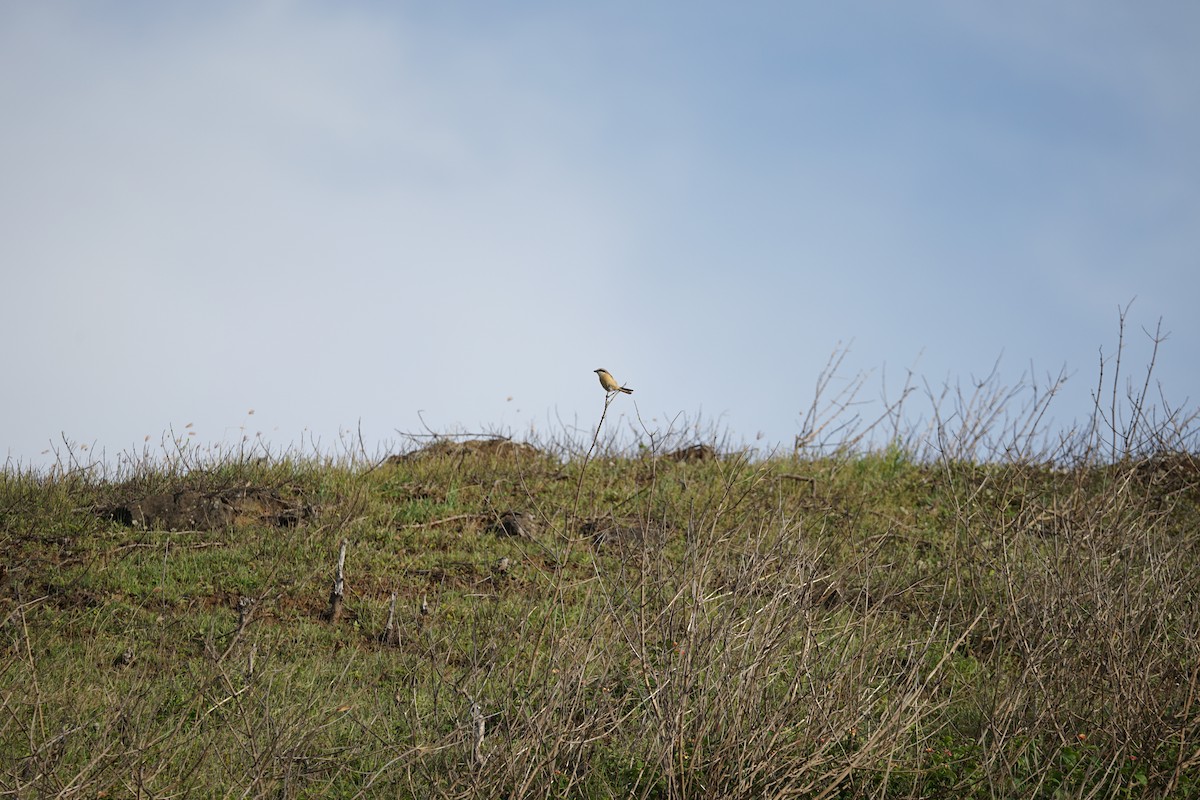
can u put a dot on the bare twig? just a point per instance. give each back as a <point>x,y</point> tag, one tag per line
<point>337,595</point>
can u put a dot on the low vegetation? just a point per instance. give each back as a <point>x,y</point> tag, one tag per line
<point>592,620</point>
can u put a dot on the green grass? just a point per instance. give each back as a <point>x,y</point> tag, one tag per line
<point>869,625</point>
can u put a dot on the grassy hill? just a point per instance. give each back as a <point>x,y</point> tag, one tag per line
<point>598,624</point>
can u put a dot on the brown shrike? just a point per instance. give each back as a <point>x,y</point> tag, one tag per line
<point>610,383</point>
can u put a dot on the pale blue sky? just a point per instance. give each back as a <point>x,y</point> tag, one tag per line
<point>334,213</point>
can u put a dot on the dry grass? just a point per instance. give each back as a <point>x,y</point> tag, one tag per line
<point>974,610</point>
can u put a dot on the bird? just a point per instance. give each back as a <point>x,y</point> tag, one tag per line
<point>609,382</point>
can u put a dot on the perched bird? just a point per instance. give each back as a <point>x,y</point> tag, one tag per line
<point>610,383</point>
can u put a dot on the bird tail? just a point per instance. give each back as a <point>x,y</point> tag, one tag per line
<point>623,389</point>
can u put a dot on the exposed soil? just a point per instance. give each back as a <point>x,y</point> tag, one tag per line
<point>498,447</point>
<point>189,509</point>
